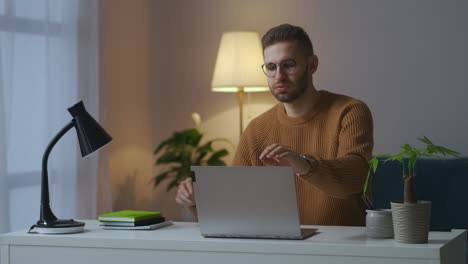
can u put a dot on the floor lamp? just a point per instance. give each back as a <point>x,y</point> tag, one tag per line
<point>238,66</point>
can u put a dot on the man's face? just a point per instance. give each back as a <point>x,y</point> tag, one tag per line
<point>288,81</point>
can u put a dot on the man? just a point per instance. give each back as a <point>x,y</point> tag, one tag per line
<point>325,137</point>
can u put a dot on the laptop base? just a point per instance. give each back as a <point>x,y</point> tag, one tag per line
<point>305,233</point>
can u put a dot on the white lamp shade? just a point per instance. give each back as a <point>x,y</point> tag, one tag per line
<point>238,65</point>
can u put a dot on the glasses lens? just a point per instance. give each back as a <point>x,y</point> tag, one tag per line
<point>289,66</point>
<point>269,69</point>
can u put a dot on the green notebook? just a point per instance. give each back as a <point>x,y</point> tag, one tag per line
<point>129,216</point>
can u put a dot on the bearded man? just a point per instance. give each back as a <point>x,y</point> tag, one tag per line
<point>325,137</point>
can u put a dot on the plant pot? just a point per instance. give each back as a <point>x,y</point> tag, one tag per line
<point>379,223</point>
<point>411,221</point>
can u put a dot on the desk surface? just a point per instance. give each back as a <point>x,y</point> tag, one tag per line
<point>349,241</point>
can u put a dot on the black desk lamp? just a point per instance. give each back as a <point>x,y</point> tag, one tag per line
<point>91,137</point>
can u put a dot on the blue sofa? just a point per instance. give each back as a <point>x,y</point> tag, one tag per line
<point>444,182</point>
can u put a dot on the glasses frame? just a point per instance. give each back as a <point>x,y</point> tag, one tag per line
<point>278,66</point>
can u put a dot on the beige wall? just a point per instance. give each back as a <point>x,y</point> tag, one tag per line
<point>397,56</point>
<point>127,57</point>
<point>187,35</point>
<point>154,80</point>
<point>405,59</point>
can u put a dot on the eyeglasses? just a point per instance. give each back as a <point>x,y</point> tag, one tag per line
<point>289,66</point>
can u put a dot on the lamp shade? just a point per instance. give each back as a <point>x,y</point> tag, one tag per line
<point>91,136</point>
<point>238,64</point>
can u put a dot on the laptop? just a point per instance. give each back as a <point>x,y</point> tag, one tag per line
<point>247,202</point>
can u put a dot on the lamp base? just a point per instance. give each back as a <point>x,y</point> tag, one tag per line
<point>59,226</point>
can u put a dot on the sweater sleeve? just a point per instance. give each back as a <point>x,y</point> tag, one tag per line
<point>346,174</point>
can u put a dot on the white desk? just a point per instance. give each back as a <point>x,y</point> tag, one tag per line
<point>182,243</point>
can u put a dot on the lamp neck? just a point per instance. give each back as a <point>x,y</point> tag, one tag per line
<point>240,94</point>
<point>46,213</point>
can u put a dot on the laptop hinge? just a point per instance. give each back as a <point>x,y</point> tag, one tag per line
<point>192,175</point>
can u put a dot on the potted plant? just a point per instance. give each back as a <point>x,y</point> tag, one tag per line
<point>184,149</point>
<point>411,218</point>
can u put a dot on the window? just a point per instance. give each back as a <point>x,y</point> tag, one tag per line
<point>38,54</point>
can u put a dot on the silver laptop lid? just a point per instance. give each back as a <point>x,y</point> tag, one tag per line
<point>246,201</point>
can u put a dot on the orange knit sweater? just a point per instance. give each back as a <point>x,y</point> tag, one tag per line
<point>337,133</point>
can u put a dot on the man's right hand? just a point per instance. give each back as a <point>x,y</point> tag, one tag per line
<point>185,195</point>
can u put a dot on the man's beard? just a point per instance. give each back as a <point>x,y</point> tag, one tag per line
<point>300,88</point>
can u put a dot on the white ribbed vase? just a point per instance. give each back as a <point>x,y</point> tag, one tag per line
<point>411,221</point>
<point>379,223</point>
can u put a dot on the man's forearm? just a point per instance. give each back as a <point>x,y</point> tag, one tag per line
<point>338,178</point>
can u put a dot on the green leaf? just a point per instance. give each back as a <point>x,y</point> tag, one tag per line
<point>375,164</point>
<point>366,183</point>
<point>172,184</point>
<point>219,154</point>
<point>183,148</point>
<point>181,169</point>
<point>407,148</point>
<point>158,179</point>
<point>202,151</point>
<point>186,156</point>
<point>188,137</point>
<point>183,173</point>
<point>412,154</point>
<point>431,148</point>
<point>425,140</point>
<point>452,153</point>
<point>215,159</point>
<point>205,148</point>
<point>198,160</point>
<point>399,157</point>
<point>162,145</point>
<point>215,162</point>
<point>169,157</point>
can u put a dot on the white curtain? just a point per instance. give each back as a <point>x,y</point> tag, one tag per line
<point>48,62</point>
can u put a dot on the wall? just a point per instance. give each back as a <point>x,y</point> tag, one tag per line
<point>405,59</point>
<point>126,28</point>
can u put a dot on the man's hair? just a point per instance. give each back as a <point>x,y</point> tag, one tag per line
<point>287,32</point>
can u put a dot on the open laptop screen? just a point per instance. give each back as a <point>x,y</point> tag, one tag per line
<point>258,202</point>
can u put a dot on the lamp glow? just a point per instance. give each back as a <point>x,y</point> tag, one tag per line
<point>238,66</point>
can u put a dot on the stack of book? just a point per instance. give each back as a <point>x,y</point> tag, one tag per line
<point>129,219</point>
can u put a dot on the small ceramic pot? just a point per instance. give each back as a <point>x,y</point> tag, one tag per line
<point>379,223</point>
